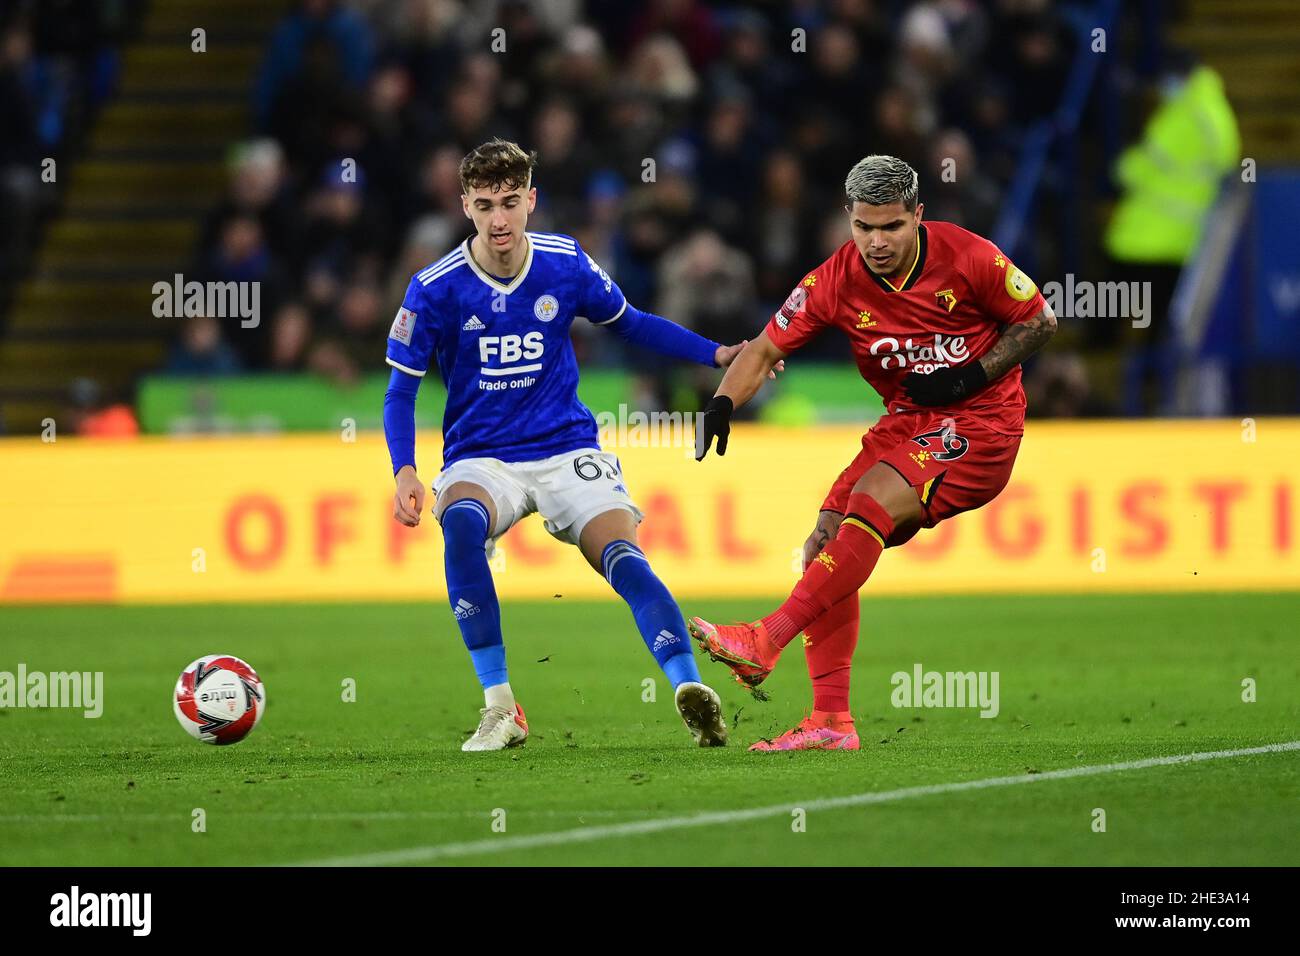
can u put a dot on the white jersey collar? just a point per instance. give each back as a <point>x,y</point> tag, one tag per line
<point>491,280</point>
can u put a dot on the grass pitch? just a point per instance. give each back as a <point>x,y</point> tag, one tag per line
<point>1083,681</point>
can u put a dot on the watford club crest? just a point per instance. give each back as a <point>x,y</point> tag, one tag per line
<point>947,299</point>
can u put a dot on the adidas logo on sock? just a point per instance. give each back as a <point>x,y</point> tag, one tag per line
<point>473,325</point>
<point>464,609</point>
<point>665,638</point>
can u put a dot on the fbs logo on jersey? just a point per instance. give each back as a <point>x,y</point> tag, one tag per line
<point>473,324</point>
<point>510,348</point>
<point>403,326</point>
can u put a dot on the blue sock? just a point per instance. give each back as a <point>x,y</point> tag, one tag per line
<point>656,613</point>
<point>470,589</point>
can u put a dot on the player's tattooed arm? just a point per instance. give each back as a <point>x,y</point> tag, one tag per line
<point>1018,342</point>
<point>950,384</point>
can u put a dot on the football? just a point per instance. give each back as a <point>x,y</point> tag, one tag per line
<point>219,699</point>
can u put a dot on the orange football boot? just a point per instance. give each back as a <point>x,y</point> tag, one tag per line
<point>745,648</point>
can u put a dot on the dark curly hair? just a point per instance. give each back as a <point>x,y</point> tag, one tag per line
<point>498,165</point>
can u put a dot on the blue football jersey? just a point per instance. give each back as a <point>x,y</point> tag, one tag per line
<point>503,348</point>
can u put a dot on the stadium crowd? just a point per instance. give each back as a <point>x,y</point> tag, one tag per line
<point>697,152</point>
<point>57,66</point>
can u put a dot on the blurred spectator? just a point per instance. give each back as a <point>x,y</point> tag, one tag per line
<point>954,188</point>
<point>291,334</point>
<point>241,255</point>
<point>708,286</point>
<point>527,40</point>
<point>659,68</point>
<point>579,69</point>
<point>902,126</point>
<point>347,346</point>
<point>839,76</point>
<point>258,189</point>
<point>748,63</point>
<point>1030,45</point>
<point>562,176</point>
<point>20,151</point>
<point>787,227</point>
<point>343,235</point>
<point>870,21</point>
<point>94,414</point>
<point>321,46</point>
<point>1056,386</point>
<point>201,350</point>
<point>467,116</point>
<point>691,24</point>
<point>730,165</point>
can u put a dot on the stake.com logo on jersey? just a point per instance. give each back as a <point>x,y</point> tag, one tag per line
<point>946,350</point>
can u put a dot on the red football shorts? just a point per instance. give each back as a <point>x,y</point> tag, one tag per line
<point>954,462</point>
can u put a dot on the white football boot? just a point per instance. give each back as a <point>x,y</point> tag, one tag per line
<point>701,709</point>
<point>499,729</point>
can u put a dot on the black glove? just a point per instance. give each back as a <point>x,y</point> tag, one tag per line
<point>945,386</point>
<point>714,421</point>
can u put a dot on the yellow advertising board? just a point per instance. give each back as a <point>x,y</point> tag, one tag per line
<point>1105,506</point>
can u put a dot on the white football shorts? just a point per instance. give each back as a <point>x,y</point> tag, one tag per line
<point>567,490</point>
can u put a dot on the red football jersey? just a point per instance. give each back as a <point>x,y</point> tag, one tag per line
<point>949,310</point>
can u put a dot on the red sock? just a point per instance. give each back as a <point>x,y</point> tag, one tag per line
<point>842,567</point>
<point>829,649</point>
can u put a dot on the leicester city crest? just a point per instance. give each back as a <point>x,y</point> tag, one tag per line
<point>546,308</point>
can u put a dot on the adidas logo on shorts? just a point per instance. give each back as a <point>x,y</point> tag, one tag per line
<point>464,609</point>
<point>473,325</point>
<point>665,638</point>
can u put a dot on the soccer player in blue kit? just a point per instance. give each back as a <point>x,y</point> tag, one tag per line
<point>494,314</point>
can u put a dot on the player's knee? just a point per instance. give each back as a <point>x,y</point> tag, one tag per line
<point>620,557</point>
<point>890,490</point>
<point>866,512</point>
<point>464,527</point>
<point>629,573</point>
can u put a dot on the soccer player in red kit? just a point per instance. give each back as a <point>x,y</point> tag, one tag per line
<point>939,321</point>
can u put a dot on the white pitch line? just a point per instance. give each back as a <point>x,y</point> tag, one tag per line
<point>342,815</point>
<point>422,854</point>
